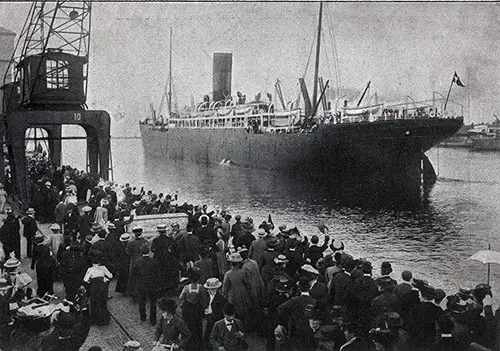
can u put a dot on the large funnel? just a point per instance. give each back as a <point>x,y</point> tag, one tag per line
<point>223,63</point>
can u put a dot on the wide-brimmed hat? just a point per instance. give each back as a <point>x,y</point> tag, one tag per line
<point>261,233</point>
<point>235,257</point>
<point>212,283</point>
<point>280,259</point>
<point>125,237</point>
<point>31,210</point>
<point>86,208</point>
<point>272,242</point>
<point>385,281</point>
<point>12,263</point>
<point>162,228</point>
<point>309,269</point>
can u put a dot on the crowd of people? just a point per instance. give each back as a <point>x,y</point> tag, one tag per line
<point>231,277</point>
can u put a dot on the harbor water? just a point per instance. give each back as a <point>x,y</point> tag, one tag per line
<point>433,241</point>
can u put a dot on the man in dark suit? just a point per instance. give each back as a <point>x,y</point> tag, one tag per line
<point>214,310</point>
<point>227,333</point>
<point>292,314</point>
<point>147,269</point>
<point>408,295</point>
<point>422,322</point>
<point>342,285</point>
<point>365,290</point>
<point>29,231</point>
<point>318,290</point>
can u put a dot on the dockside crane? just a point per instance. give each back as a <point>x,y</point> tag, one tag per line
<point>45,87</point>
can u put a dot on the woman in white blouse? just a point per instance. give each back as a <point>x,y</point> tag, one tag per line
<point>98,277</point>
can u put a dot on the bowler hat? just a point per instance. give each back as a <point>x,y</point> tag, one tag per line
<point>137,230</point>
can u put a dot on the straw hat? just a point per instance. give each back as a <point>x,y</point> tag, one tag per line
<point>30,211</point>
<point>86,208</point>
<point>280,259</point>
<point>125,237</point>
<point>12,262</point>
<point>212,283</point>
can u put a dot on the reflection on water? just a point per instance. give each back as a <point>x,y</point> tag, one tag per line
<point>432,240</point>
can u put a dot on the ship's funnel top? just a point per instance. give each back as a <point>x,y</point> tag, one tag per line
<point>223,63</point>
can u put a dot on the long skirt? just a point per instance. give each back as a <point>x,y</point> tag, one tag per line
<point>98,292</point>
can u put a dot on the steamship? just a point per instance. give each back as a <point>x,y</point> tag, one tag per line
<point>381,144</point>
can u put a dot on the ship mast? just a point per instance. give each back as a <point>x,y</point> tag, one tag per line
<point>169,100</point>
<point>316,65</point>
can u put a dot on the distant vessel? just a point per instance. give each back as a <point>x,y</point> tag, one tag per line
<point>380,144</point>
<point>487,139</point>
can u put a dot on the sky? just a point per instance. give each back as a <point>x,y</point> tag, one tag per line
<point>404,49</point>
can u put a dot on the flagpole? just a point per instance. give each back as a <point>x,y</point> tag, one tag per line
<point>448,96</point>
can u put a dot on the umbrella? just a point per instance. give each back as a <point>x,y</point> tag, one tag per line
<point>486,257</point>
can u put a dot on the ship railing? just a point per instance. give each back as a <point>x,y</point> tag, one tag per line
<point>261,114</point>
<point>394,111</point>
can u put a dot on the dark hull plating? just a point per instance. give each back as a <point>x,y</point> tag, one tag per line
<point>387,154</point>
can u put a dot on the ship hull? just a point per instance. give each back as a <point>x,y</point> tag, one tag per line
<point>386,154</point>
